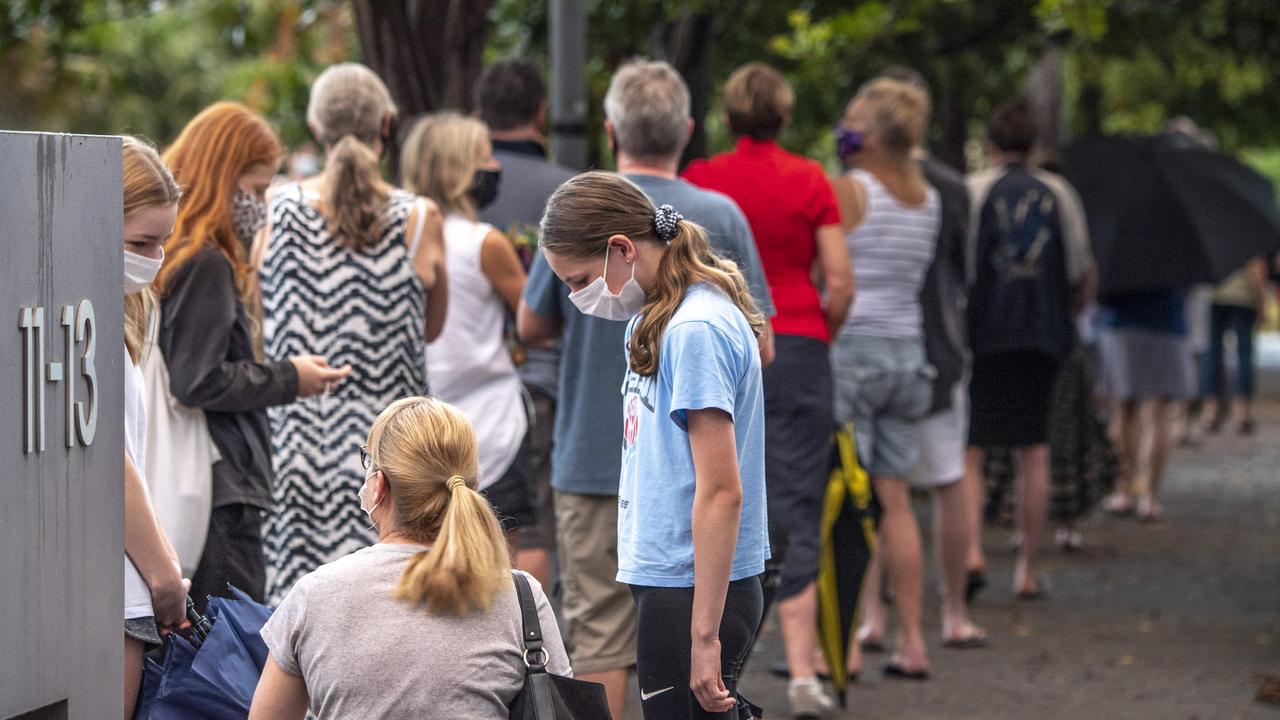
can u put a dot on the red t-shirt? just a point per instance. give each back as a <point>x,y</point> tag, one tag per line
<point>786,198</point>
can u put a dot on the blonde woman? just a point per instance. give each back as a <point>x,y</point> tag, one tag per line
<point>884,384</point>
<point>154,589</point>
<point>424,624</point>
<point>692,440</point>
<point>353,270</point>
<point>448,158</point>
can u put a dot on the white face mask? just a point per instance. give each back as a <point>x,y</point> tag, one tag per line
<point>139,271</point>
<point>595,299</point>
<point>364,490</point>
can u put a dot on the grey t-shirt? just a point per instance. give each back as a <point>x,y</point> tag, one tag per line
<point>587,451</point>
<point>364,654</point>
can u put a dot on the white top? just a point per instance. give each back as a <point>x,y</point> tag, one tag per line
<point>137,596</point>
<point>891,250</point>
<point>469,364</point>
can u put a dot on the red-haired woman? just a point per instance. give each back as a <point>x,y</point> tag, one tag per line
<point>224,160</point>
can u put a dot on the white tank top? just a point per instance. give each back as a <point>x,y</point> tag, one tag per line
<point>469,364</point>
<point>891,250</point>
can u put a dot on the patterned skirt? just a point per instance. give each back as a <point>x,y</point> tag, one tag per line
<point>1083,461</point>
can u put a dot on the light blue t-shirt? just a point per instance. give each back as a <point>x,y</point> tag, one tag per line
<point>584,456</point>
<point>709,359</point>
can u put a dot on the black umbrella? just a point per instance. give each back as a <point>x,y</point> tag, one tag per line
<point>848,537</point>
<point>1165,212</point>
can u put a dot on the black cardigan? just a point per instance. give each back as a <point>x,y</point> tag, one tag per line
<point>207,344</point>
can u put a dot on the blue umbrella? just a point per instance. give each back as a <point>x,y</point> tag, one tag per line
<point>213,676</point>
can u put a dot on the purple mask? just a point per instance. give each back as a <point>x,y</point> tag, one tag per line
<point>848,141</point>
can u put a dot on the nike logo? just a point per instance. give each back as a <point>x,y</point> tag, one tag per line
<point>645,696</point>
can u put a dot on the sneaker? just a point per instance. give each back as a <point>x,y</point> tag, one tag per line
<point>808,701</point>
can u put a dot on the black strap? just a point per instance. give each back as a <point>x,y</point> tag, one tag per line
<point>535,658</point>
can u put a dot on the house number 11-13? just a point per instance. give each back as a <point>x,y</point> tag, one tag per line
<point>81,417</point>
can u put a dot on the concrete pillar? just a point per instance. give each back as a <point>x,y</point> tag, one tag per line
<point>61,427</point>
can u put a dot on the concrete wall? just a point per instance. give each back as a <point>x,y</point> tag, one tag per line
<point>61,529</point>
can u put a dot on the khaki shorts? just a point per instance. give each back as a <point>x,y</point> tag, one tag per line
<point>599,614</point>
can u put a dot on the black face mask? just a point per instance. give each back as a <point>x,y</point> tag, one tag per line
<point>484,189</point>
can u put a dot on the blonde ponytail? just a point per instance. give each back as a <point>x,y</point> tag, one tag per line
<point>426,450</point>
<point>584,212</point>
<point>688,259</point>
<point>347,111</point>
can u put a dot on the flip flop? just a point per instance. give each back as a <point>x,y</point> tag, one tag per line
<point>897,672</point>
<point>973,642</point>
<point>974,582</point>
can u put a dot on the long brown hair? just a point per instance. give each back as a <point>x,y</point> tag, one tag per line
<point>207,159</point>
<point>147,183</point>
<point>347,110</point>
<point>427,452</point>
<point>587,210</point>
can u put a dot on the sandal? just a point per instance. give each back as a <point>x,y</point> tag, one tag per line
<point>897,672</point>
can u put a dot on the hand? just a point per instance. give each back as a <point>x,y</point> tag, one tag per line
<point>169,600</point>
<point>705,679</point>
<point>315,376</point>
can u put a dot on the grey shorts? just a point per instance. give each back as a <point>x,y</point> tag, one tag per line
<point>884,386</point>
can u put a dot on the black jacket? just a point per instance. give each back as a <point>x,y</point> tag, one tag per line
<point>946,284</point>
<point>208,346</point>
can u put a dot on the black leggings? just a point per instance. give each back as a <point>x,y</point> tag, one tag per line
<point>663,646</point>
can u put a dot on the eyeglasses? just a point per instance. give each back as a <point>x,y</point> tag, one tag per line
<point>365,460</point>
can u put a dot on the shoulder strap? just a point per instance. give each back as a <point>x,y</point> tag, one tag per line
<point>421,206</point>
<point>531,628</point>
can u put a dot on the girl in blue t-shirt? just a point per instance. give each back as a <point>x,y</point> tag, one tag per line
<point>692,535</point>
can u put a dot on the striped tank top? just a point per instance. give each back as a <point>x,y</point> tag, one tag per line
<point>891,250</point>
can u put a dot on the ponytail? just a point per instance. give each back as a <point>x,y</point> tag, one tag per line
<point>426,450</point>
<point>467,562</point>
<point>688,259</point>
<point>356,195</point>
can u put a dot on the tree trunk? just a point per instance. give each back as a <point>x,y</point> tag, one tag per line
<point>428,52</point>
<point>685,44</point>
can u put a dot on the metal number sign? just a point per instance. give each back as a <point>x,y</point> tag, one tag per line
<point>81,416</point>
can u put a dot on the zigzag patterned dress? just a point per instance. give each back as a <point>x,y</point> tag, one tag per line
<point>365,308</point>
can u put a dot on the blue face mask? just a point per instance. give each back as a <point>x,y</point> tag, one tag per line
<point>848,141</point>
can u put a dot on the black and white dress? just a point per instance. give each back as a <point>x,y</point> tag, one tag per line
<point>365,308</point>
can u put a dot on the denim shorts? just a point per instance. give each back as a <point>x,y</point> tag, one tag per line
<point>884,386</point>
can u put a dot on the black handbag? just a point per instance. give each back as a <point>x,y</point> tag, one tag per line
<point>546,696</point>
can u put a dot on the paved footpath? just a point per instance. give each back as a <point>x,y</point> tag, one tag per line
<point>1179,620</point>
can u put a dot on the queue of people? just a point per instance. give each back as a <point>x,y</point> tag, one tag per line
<point>754,304</point>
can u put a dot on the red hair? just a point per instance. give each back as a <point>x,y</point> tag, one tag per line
<point>207,159</point>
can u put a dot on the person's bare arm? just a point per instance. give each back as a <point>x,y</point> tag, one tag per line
<point>499,262</point>
<point>151,553</point>
<point>535,329</point>
<point>1085,290</point>
<point>768,349</point>
<point>836,271</point>
<point>429,262</point>
<point>280,695</point>
<point>717,507</point>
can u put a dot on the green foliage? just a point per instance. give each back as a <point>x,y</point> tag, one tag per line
<point>110,67</point>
